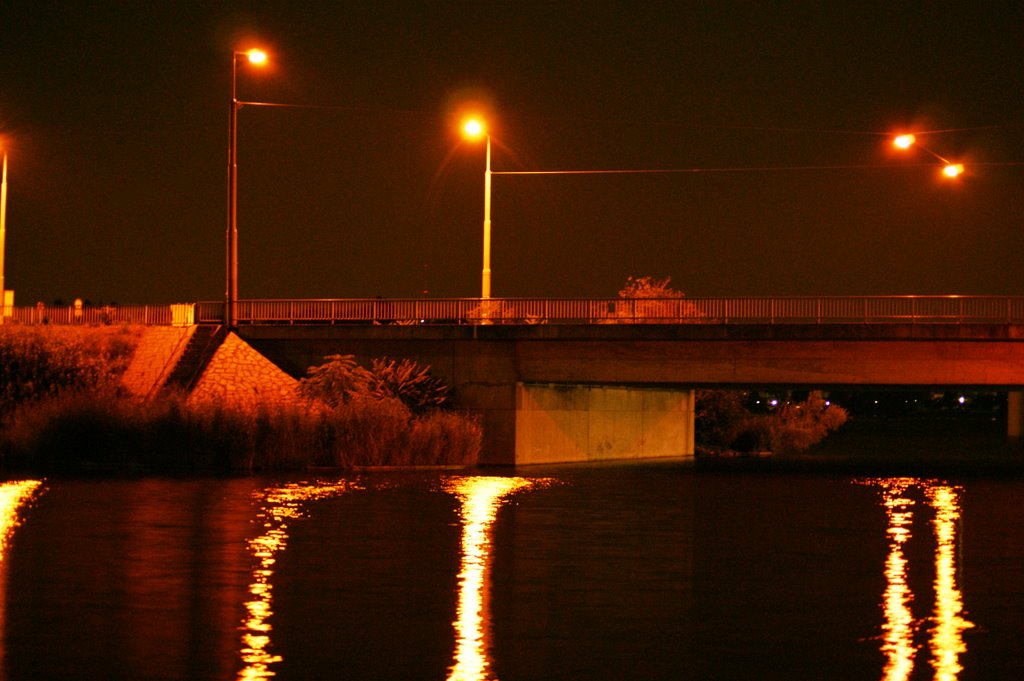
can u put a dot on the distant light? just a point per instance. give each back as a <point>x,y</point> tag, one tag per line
<point>953,170</point>
<point>473,128</point>
<point>774,403</point>
<point>256,56</point>
<point>904,141</point>
<point>828,403</point>
<point>962,399</point>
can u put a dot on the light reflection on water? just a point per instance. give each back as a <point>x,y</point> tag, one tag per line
<point>947,623</point>
<point>279,506</point>
<point>947,635</point>
<point>13,495</point>
<point>480,498</point>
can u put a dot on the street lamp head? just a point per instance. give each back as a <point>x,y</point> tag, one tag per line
<point>953,169</point>
<point>256,56</point>
<point>904,141</point>
<point>473,128</point>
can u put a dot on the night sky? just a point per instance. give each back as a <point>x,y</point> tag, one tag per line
<point>115,119</point>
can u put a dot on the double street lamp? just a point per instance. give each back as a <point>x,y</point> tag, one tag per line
<point>258,58</point>
<point>949,168</point>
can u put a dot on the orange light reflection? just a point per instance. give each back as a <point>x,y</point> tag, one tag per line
<point>947,623</point>
<point>12,496</point>
<point>947,641</point>
<point>279,507</point>
<point>898,628</point>
<point>480,498</point>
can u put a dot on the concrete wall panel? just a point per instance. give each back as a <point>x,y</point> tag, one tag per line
<point>576,423</point>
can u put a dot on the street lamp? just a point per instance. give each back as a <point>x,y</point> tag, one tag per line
<point>474,129</point>
<point>258,58</point>
<point>3,237</point>
<point>949,168</point>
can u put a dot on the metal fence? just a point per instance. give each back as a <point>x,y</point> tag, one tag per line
<point>452,311</point>
<point>776,310</point>
<point>148,315</point>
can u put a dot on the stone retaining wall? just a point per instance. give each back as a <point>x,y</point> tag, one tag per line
<point>158,351</point>
<point>240,377</point>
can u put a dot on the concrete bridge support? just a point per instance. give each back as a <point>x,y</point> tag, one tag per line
<point>578,423</point>
<point>1015,413</point>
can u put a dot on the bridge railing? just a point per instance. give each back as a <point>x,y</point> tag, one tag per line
<point>147,315</point>
<point>441,311</point>
<point>749,310</point>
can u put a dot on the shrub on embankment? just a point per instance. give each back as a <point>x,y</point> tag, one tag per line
<point>40,362</point>
<point>67,412</point>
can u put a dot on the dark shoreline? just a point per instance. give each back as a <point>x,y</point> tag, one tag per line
<point>914,446</point>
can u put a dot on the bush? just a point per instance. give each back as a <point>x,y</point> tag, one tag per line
<point>409,382</point>
<point>725,423</point>
<point>336,381</point>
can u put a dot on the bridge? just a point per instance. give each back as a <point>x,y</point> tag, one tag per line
<point>558,380</point>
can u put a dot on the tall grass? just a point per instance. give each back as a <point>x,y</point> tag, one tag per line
<point>79,430</point>
<point>38,362</point>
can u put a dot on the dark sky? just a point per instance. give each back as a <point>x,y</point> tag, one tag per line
<point>115,118</point>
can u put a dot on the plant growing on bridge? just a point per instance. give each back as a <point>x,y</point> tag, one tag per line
<point>340,380</point>
<point>646,300</point>
<point>408,382</point>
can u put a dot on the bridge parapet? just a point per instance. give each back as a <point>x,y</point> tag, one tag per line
<point>614,311</point>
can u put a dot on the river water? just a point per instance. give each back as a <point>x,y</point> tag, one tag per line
<point>616,572</point>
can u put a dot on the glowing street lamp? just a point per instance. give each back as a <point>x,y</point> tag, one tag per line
<point>949,168</point>
<point>474,129</point>
<point>904,141</point>
<point>257,58</point>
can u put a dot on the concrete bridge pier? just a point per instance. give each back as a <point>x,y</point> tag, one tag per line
<point>1015,413</point>
<point>578,423</point>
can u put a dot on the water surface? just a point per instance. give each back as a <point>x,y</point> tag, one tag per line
<point>659,572</point>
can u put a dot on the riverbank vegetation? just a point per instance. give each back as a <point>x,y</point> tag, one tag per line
<point>62,408</point>
<point>738,422</point>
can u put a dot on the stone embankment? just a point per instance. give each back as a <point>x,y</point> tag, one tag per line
<point>155,357</point>
<point>234,374</point>
<point>238,376</point>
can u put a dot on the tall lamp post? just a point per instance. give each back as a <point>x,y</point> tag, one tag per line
<point>257,57</point>
<point>3,237</point>
<point>474,128</point>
